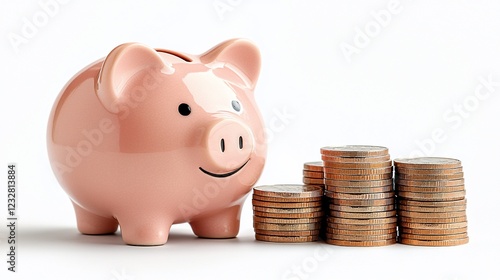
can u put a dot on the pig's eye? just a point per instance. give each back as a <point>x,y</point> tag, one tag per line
<point>184,109</point>
<point>236,105</point>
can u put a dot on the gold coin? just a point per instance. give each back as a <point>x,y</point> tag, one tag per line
<point>374,183</point>
<point>370,177</point>
<point>427,163</point>
<point>313,181</point>
<point>287,204</point>
<point>361,209</point>
<point>432,196</point>
<point>387,188</point>
<point>286,227</point>
<point>419,177</point>
<point>442,183</point>
<point>361,227</point>
<point>286,221</point>
<point>417,203</point>
<point>432,231</point>
<point>433,226</point>
<point>288,215</point>
<point>388,220</point>
<point>431,215</point>
<point>430,189</point>
<point>357,165</point>
<point>286,199</point>
<point>355,159</point>
<point>402,170</point>
<point>435,243</point>
<point>361,196</point>
<point>286,210</point>
<point>288,190</point>
<point>433,220</point>
<point>372,215</point>
<point>286,239</point>
<point>314,166</point>
<point>444,209</point>
<point>360,232</point>
<point>366,171</point>
<point>433,237</point>
<point>288,233</point>
<point>355,151</point>
<point>361,237</point>
<point>368,202</point>
<point>313,174</point>
<point>361,243</point>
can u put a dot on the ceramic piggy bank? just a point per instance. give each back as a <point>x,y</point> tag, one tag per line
<point>147,138</point>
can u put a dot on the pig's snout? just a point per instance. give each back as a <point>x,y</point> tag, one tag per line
<point>229,144</point>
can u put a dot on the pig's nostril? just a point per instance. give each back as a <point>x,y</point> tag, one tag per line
<point>222,145</point>
<point>241,142</point>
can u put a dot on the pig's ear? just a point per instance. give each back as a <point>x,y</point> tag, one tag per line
<point>239,53</point>
<point>119,67</point>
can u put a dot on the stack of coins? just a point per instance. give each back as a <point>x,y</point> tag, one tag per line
<point>313,174</point>
<point>431,201</point>
<point>287,213</point>
<point>359,186</point>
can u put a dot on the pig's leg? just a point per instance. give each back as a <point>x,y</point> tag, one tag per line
<point>223,224</point>
<point>89,223</point>
<point>145,230</point>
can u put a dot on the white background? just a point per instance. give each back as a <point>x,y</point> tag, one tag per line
<point>404,82</point>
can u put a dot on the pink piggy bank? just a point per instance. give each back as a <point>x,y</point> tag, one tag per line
<point>147,138</point>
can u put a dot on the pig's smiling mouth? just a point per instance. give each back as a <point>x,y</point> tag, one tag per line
<point>223,175</point>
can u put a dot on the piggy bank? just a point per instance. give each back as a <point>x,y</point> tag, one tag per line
<point>147,138</point>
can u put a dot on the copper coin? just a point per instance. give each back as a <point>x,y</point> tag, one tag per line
<point>435,243</point>
<point>288,215</point>
<point>360,232</point>
<point>286,227</point>
<point>432,231</point>
<point>286,210</point>
<point>389,220</point>
<point>442,183</point>
<point>362,227</point>
<point>368,202</point>
<point>372,215</point>
<point>313,181</point>
<point>402,170</point>
<point>417,203</point>
<point>357,165</point>
<point>433,237</point>
<point>286,221</point>
<point>433,226</point>
<point>314,166</point>
<point>355,151</point>
<point>286,239</point>
<point>433,220</point>
<point>287,233</point>
<point>419,177</point>
<point>361,237</point>
<point>366,171</point>
<point>432,196</point>
<point>437,210</point>
<point>361,209</point>
<point>286,199</point>
<point>361,196</point>
<point>370,177</point>
<point>427,163</point>
<point>431,215</point>
<point>287,204</point>
<point>361,243</point>
<point>313,174</point>
<point>288,190</point>
<point>430,189</point>
<point>340,183</point>
<point>355,159</point>
<point>387,188</point>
